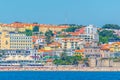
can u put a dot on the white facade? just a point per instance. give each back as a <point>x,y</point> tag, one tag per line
<point>92,31</point>
<point>20,41</point>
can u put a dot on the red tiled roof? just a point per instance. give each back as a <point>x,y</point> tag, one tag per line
<point>53,44</point>
<point>71,39</point>
<point>81,30</point>
<point>49,60</point>
<point>116,43</point>
<point>80,51</point>
<point>43,50</point>
<point>105,47</point>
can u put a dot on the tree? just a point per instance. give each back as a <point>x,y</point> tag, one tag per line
<point>48,35</point>
<point>28,32</point>
<point>63,55</point>
<point>111,26</point>
<point>41,33</point>
<point>68,60</point>
<point>36,29</point>
<point>103,39</point>
<point>72,28</point>
<point>105,35</point>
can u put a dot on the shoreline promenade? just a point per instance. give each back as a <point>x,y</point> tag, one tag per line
<point>60,68</point>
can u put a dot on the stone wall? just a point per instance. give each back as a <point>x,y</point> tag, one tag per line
<point>103,63</point>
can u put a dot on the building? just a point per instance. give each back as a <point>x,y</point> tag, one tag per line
<point>20,41</point>
<point>115,47</point>
<point>72,43</point>
<point>105,50</point>
<point>79,52</point>
<point>91,29</point>
<point>4,40</point>
<point>16,57</point>
<point>88,33</point>
<point>38,41</point>
<point>43,28</point>
<point>45,53</point>
<point>4,27</point>
<point>92,50</point>
<point>55,45</point>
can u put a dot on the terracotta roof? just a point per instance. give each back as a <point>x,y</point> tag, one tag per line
<point>34,38</point>
<point>116,43</point>
<point>53,26</point>
<point>49,60</point>
<point>22,25</point>
<point>43,50</point>
<point>80,51</point>
<point>81,30</point>
<point>42,36</point>
<point>53,44</point>
<point>72,39</point>
<point>105,47</point>
<point>19,25</point>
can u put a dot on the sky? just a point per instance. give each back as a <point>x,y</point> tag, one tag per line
<point>97,12</point>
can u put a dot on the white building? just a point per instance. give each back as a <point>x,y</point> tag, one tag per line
<point>91,30</point>
<point>20,41</point>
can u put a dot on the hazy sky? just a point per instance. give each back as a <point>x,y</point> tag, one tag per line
<point>96,12</point>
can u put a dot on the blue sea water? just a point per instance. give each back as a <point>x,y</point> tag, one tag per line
<point>39,75</point>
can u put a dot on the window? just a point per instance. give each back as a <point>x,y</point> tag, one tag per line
<point>6,42</point>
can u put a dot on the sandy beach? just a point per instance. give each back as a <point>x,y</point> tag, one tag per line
<point>59,68</point>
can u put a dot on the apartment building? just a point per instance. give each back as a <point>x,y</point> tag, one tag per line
<point>72,43</point>
<point>20,41</point>
<point>54,28</point>
<point>4,40</point>
<point>88,33</point>
<point>92,50</point>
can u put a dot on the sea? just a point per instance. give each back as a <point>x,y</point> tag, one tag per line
<point>58,75</point>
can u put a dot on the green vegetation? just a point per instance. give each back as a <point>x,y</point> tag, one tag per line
<point>41,33</point>
<point>28,32</point>
<point>116,59</point>
<point>1,55</point>
<point>72,28</point>
<point>36,29</point>
<point>105,35</point>
<point>111,26</point>
<point>48,35</point>
<point>68,60</point>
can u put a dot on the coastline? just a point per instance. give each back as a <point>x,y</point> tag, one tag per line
<point>82,69</point>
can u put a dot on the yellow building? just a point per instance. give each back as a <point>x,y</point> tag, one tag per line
<point>115,47</point>
<point>8,28</point>
<point>54,45</point>
<point>44,28</point>
<point>79,52</point>
<point>12,40</point>
<point>29,27</point>
<point>4,40</point>
<point>0,27</point>
<point>22,29</point>
<point>72,43</point>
